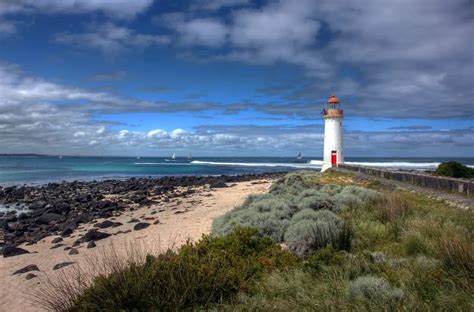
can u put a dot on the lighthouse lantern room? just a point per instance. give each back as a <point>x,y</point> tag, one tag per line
<point>333,144</point>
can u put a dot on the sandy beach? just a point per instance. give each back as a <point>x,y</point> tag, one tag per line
<point>171,224</point>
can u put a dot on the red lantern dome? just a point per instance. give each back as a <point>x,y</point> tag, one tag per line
<point>333,100</point>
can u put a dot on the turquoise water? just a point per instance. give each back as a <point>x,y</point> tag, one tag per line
<point>43,169</point>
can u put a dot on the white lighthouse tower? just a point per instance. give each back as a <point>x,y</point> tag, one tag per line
<point>333,144</point>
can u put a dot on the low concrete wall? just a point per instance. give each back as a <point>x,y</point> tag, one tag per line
<point>434,182</point>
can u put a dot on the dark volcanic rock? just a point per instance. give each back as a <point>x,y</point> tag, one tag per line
<point>56,246</point>
<point>67,231</point>
<point>93,235</point>
<point>133,220</point>
<point>62,265</point>
<point>59,208</point>
<point>47,218</point>
<point>10,251</point>
<point>28,268</point>
<point>218,184</point>
<point>106,224</point>
<point>91,244</point>
<point>73,251</point>
<point>141,226</point>
<point>56,240</point>
<point>30,276</point>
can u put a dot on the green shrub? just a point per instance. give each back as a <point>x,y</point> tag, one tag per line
<point>354,196</point>
<point>415,244</point>
<point>311,230</point>
<point>392,206</point>
<point>455,170</point>
<point>325,257</point>
<point>315,215</point>
<point>270,215</point>
<point>374,290</point>
<point>457,253</point>
<point>210,271</point>
<point>314,199</point>
<point>305,225</point>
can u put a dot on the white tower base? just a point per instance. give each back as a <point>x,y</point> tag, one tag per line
<point>333,146</point>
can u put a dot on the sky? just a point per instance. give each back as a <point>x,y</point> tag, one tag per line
<point>236,77</point>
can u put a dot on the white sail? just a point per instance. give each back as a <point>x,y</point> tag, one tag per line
<point>174,156</point>
<point>190,156</point>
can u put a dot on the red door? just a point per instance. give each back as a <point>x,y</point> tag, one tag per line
<point>334,158</point>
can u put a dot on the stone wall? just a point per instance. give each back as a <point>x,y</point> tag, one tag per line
<point>434,182</point>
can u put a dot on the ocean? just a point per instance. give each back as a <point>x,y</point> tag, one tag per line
<point>16,170</point>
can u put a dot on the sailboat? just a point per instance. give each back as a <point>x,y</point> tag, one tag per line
<point>173,157</point>
<point>189,156</point>
<point>138,157</point>
<point>60,157</point>
<point>299,157</point>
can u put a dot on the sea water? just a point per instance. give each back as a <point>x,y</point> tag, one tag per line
<point>16,170</point>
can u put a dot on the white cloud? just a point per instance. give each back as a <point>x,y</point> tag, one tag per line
<point>157,133</point>
<point>217,4</point>
<point>177,133</point>
<point>116,8</point>
<point>205,32</point>
<point>110,39</point>
<point>6,28</point>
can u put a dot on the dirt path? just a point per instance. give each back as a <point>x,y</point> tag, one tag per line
<point>179,220</point>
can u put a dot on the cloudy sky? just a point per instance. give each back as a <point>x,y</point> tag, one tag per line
<point>235,77</point>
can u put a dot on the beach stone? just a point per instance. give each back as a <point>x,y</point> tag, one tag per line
<point>106,224</point>
<point>141,226</point>
<point>22,216</point>
<point>11,251</point>
<point>93,235</point>
<point>56,240</point>
<point>30,276</point>
<point>156,221</point>
<point>91,244</point>
<point>28,268</point>
<point>218,184</point>
<point>56,246</point>
<point>62,265</point>
<point>47,218</point>
<point>73,251</point>
<point>133,220</point>
<point>67,231</point>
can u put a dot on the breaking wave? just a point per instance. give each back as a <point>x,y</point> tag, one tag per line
<point>395,164</point>
<point>254,164</point>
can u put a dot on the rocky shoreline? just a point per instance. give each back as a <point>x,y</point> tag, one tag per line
<point>59,208</point>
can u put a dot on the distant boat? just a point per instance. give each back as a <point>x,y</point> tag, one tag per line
<point>60,157</point>
<point>190,156</point>
<point>299,157</point>
<point>138,157</point>
<point>173,157</point>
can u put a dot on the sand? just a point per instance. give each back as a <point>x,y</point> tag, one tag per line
<point>181,219</point>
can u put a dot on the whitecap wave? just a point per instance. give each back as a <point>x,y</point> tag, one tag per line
<point>159,163</point>
<point>292,165</point>
<point>394,164</point>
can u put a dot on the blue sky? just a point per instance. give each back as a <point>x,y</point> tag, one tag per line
<point>235,77</point>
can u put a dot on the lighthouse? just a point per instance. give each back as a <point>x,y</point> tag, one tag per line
<point>333,144</point>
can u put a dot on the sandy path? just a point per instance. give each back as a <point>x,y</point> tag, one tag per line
<point>194,218</point>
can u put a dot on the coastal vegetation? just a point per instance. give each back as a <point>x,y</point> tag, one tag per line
<point>455,170</point>
<point>316,241</point>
